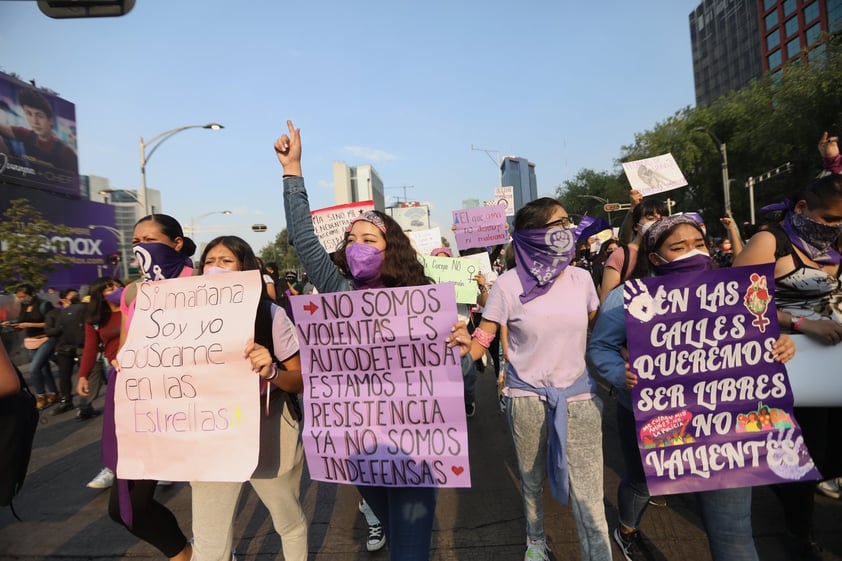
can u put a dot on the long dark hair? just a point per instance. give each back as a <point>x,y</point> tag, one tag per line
<point>400,261</point>
<point>171,228</point>
<point>99,312</point>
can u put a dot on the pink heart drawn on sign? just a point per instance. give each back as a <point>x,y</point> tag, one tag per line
<point>457,469</point>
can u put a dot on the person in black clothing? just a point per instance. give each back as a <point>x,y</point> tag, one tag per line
<point>66,323</point>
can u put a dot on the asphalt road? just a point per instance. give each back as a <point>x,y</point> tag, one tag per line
<point>65,521</point>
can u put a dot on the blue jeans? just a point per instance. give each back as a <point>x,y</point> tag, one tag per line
<point>40,371</point>
<point>726,513</point>
<point>407,515</point>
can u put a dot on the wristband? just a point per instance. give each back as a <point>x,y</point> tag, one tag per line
<point>484,338</point>
<point>274,373</point>
<point>796,323</point>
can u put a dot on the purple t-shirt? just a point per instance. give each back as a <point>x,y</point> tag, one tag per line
<point>547,335</point>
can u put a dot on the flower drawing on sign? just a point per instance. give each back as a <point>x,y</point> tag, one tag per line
<point>787,458</point>
<point>667,430</point>
<point>756,301</point>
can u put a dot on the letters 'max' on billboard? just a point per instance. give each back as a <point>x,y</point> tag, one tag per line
<point>37,138</point>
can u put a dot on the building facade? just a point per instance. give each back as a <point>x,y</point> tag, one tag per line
<point>357,183</point>
<point>726,51</point>
<point>519,173</point>
<point>735,41</point>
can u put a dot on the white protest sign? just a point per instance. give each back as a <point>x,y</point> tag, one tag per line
<point>425,241</point>
<point>186,400</point>
<point>654,175</point>
<point>505,196</point>
<point>330,222</point>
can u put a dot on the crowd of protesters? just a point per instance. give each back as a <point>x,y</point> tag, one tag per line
<point>549,393</point>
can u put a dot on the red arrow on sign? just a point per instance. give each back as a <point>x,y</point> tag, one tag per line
<point>311,307</point>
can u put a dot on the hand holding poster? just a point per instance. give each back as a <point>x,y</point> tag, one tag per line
<point>713,408</point>
<point>186,400</point>
<point>654,175</point>
<point>480,227</point>
<point>383,398</point>
<point>330,223</point>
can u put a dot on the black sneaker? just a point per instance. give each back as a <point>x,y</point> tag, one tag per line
<point>63,407</point>
<point>376,538</point>
<point>85,413</point>
<point>632,546</point>
<point>801,549</point>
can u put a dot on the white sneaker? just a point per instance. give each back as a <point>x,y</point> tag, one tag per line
<point>103,480</point>
<point>536,550</point>
<point>829,488</point>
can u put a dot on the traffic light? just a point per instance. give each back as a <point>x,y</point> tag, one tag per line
<point>115,258</point>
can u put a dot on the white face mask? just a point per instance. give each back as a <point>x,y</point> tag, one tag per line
<point>683,256</point>
<point>645,226</point>
<point>215,270</point>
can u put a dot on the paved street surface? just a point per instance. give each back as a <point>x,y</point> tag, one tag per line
<point>65,521</point>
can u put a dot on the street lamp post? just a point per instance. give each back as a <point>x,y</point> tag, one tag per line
<point>121,241</point>
<point>601,200</point>
<point>153,144</point>
<point>726,183</point>
<point>201,216</point>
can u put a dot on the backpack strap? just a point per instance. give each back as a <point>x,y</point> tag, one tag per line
<point>783,245</point>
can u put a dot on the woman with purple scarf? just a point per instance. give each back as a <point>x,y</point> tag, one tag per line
<point>554,414</point>
<point>804,249</point>
<point>162,252</point>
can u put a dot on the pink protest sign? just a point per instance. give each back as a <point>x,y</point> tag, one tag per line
<point>480,227</point>
<point>330,223</point>
<point>383,397</point>
<point>186,401</point>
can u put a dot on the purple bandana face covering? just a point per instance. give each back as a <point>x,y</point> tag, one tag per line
<point>158,261</point>
<point>541,255</point>
<point>689,262</point>
<point>815,239</point>
<point>364,262</point>
<point>114,296</point>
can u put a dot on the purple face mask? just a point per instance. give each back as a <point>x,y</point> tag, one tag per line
<point>541,255</point>
<point>158,261</point>
<point>364,263</point>
<point>114,296</point>
<point>689,262</point>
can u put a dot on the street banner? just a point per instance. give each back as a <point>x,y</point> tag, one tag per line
<point>654,175</point>
<point>458,270</point>
<point>425,241</point>
<point>330,222</point>
<point>480,227</point>
<point>187,403</point>
<point>383,399</point>
<point>713,409</point>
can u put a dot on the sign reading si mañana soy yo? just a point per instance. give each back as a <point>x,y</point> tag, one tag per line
<point>713,408</point>
<point>383,397</point>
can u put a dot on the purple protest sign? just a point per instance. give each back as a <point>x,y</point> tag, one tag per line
<point>383,397</point>
<point>713,409</point>
<point>480,227</point>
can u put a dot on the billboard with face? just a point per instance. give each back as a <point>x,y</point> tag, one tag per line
<point>37,138</point>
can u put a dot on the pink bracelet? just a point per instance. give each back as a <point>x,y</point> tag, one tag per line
<point>484,338</point>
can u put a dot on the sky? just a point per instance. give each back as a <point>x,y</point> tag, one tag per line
<point>408,87</point>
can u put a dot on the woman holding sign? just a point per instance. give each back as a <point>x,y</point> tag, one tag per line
<point>675,244</point>
<point>804,249</point>
<point>277,479</point>
<point>553,409</point>
<point>162,252</point>
<point>375,253</point>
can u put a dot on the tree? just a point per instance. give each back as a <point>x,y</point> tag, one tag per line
<point>280,252</point>
<point>26,253</point>
<point>582,194</point>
